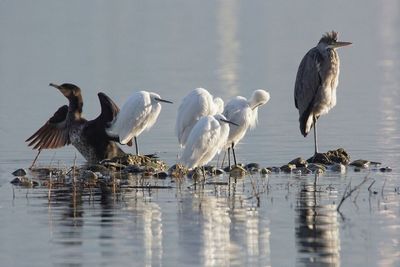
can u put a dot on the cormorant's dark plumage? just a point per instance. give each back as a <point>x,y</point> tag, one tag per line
<point>68,127</point>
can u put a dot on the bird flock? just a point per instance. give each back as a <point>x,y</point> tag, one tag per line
<point>204,125</point>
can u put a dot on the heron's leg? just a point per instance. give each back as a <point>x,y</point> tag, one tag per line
<point>315,135</point>
<point>233,152</point>
<point>137,148</point>
<point>229,158</point>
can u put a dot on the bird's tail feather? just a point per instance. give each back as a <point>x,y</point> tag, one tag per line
<point>306,123</point>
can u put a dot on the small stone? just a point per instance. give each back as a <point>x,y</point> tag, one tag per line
<point>97,168</point>
<point>304,170</point>
<point>338,167</point>
<point>161,175</point>
<point>385,169</point>
<point>360,163</point>
<point>297,171</point>
<point>275,169</point>
<point>16,181</point>
<point>375,163</point>
<point>316,168</point>
<point>237,171</point>
<point>265,171</point>
<point>113,165</point>
<point>299,162</point>
<point>320,158</point>
<point>88,176</point>
<point>19,172</point>
<point>23,181</point>
<point>219,171</point>
<point>133,169</point>
<point>178,171</point>
<point>288,168</point>
<point>252,166</point>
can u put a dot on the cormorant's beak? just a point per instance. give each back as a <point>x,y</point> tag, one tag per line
<point>55,86</point>
<point>230,122</point>
<point>163,100</point>
<point>341,44</point>
<point>60,88</point>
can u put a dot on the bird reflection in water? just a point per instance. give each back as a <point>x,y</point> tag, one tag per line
<point>317,232</point>
<point>231,228</point>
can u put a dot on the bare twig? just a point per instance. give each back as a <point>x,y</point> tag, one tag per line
<point>34,161</point>
<point>383,186</point>
<point>50,182</point>
<point>369,187</point>
<point>348,191</point>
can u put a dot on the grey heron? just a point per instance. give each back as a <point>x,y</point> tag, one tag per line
<point>316,82</point>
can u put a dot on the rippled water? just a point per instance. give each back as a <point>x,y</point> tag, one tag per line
<point>231,48</point>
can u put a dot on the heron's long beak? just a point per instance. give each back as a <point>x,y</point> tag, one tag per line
<point>163,100</point>
<point>341,44</point>
<point>230,122</point>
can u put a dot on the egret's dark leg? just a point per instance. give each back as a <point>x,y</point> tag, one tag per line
<point>233,152</point>
<point>315,135</point>
<point>137,148</point>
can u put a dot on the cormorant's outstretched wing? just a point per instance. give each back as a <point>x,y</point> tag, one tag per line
<point>308,81</point>
<point>53,134</point>
<point>109,111</point>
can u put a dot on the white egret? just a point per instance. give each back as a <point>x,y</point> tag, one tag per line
<point>244,113</point>
<point>198,103</point>
<point>139,113</point>
<point>207,138</point>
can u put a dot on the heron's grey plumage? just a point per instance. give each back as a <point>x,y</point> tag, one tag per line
<point>316,81</point>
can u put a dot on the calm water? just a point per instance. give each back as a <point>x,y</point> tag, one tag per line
<point>231,48</point>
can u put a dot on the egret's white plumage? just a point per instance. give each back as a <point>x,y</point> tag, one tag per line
<point>244,113</point>
<point>206,139</point>
<point>139,113</point>
<point>198,103</point>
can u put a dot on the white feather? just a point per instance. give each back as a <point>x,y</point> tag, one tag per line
<point>206,139</point>
<point>139,113</point>
<point>198,103</point>
<point>244,113</point>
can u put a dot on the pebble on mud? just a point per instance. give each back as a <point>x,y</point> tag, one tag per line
<point>23,181</point>
<point>288,168</point>
<point>237,171</point>
<point>338,156</point>
<point>19,172</point>
<point>338,167</point>
<point>299,162</point>
<point>161,175</point>
<point>385,169</point>
<point>316,168</point>
<point>360,163</point>
<point>265,171</point>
